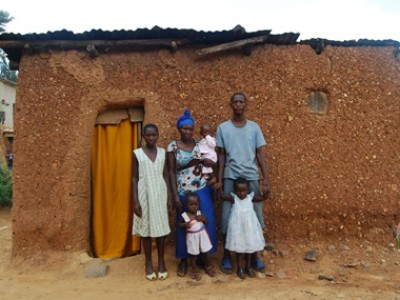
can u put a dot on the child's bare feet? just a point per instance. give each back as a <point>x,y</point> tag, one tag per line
<point>210,270</point>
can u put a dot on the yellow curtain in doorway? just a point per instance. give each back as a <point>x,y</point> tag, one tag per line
<point>112,208</point>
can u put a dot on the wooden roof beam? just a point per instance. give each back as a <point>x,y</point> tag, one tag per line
<point>68,44</point>
<point>233,45</point>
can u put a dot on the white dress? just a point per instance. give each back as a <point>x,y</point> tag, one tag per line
<point>152,193</point>
<point>244,233</point>
<point>197,238</point>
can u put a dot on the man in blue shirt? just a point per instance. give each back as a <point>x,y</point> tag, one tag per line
<point>239,143</point>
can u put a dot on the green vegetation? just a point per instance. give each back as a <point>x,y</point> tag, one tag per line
<point>5,186</point>
<point>5,71</point>
<point>4,19</point>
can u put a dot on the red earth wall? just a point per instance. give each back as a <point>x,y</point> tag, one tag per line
<point>333,175</point>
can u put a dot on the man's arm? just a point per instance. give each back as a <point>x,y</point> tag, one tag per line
<point>221,167</point>
<point>265,185</point>
<point>220,149</point>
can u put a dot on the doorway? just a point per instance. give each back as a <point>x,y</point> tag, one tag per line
<point>116,135</point>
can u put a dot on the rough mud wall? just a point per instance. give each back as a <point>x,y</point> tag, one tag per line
<point>333,175</point>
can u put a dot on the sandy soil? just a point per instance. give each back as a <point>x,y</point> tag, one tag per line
<point>360,271</point>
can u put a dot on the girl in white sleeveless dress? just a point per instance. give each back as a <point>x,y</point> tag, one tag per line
<point>244,235</point>
<point>150,199</point>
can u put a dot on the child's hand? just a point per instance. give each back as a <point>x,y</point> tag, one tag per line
<point>178,204</point>
<point>265,195</point>
<point>189,224</point>
<point>137,209</point>
<point>218,186</point>
<point>257,198</point>
<point>212,181</point>
<point>265,189</point>
<point>170,203</point>
<point>226,197</point>
<point>170,206</point>
<point>201,218</point>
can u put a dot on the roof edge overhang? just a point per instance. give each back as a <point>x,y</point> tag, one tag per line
<point>95,41</point>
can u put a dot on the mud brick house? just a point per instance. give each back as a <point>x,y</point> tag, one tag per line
<point>329,111</point>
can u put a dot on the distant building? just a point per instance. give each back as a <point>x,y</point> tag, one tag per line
<point>8,93</point>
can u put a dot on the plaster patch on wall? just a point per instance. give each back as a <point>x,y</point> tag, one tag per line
<point>88,71</point>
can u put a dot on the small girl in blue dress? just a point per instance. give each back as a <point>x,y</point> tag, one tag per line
<point>244,235</point>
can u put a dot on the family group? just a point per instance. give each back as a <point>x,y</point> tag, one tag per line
<point>184,177</point>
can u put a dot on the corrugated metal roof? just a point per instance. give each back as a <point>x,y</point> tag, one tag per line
<point>190,37</point>
<point>319,44</point>
<point>203,37</point>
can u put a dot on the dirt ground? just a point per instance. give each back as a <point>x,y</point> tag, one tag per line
<point>359,271</point>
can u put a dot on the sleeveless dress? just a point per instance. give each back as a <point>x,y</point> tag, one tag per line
<point>152,192</point>
<point>244,233</point>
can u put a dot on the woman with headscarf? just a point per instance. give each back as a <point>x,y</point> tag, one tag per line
<point>185,171</point>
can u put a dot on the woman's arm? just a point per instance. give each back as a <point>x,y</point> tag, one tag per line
<point>209,163</point>
<point>191,163</point>
<point>172,180</point>
<point>183,224</point>
<point>135,179</point>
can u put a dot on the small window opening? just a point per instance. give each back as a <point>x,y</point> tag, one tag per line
<point>317,102</point>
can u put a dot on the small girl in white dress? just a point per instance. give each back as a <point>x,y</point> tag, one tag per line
<point>244,235</point>
<point>197,239</point>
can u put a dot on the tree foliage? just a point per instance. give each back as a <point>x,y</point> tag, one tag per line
<point>4,19</point>
<point>5,71</point>
<point>5,186</point>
